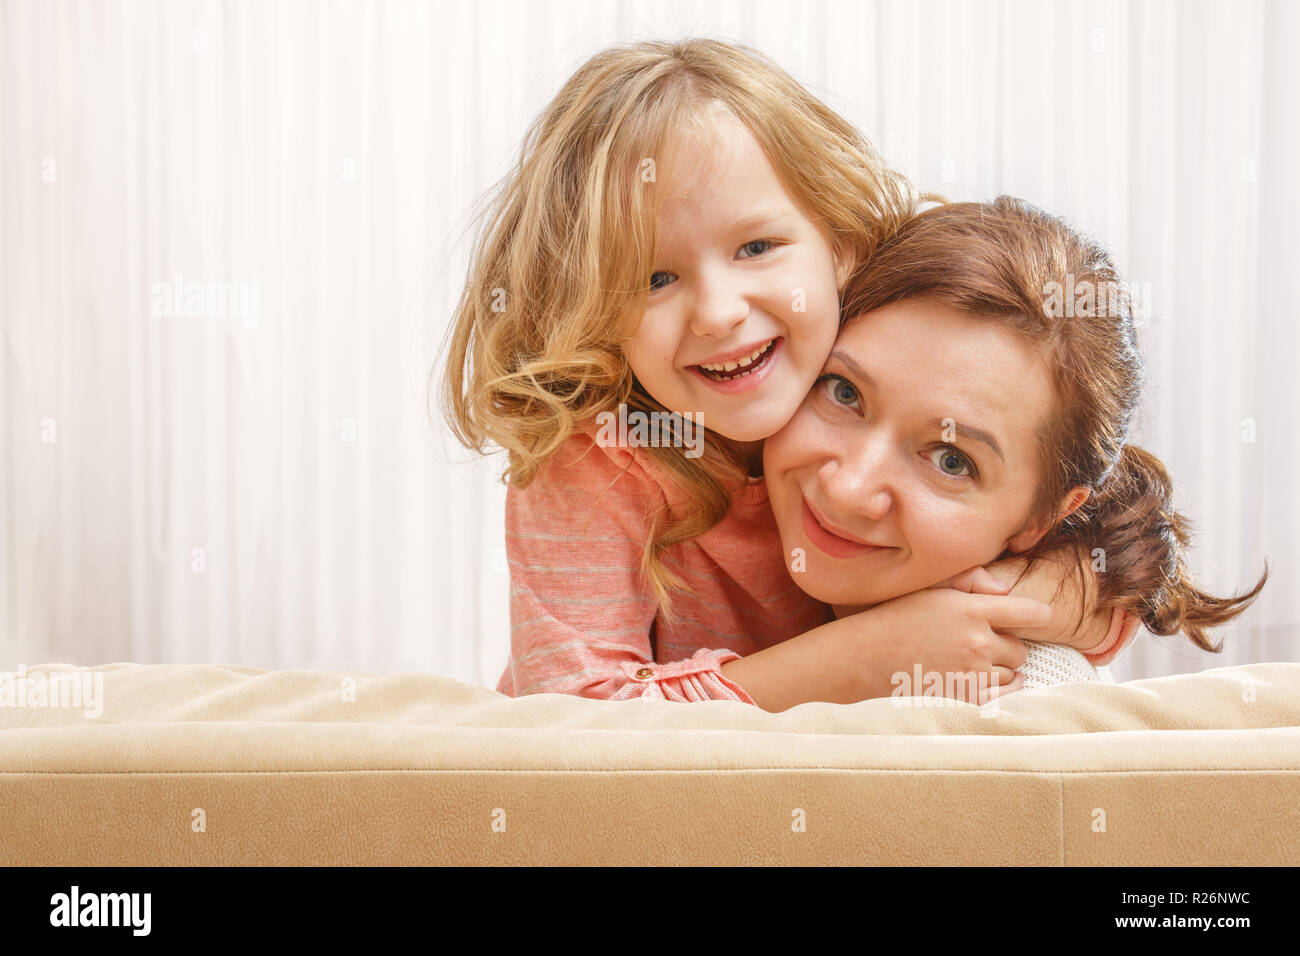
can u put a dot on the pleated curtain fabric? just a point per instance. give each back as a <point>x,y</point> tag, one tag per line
<point>232,236</point>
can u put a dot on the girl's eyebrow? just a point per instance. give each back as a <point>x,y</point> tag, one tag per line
<point>762,218</point>
<point>966,431</point>
<point>765,217</point>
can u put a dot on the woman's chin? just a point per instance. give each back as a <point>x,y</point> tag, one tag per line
<point>845,605</point>
<point>844,600</point>
<point>845,593</point>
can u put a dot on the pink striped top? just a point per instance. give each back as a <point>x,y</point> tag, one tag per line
<point>583,623</point>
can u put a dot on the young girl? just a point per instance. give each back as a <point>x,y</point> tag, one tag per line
<point>674,240</point>
<point>951,327</point>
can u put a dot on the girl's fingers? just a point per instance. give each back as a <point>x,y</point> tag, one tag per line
<point>1004,675</point>
<point>975,686</point>
<point>1007,572</point>
<point>1013,613</point>
<point>976,580</point>
<point>983,582</point>
<point>992,693</point>
<point>1008,653</point>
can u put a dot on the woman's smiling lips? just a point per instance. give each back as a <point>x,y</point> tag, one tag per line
<point>830,542</point>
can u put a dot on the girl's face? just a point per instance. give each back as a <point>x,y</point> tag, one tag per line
<point>744,298</point>
<point>913,458</point>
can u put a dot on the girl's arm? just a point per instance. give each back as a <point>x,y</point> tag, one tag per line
<point>967,625</point>
<point>581,618</point>
<point>879,652</point>
<point>1078,620</point>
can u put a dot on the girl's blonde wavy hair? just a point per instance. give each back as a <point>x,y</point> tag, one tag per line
<point>561,265</point>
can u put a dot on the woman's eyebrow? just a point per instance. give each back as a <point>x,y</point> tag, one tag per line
<point>968,431</point>
<point>858,371</point>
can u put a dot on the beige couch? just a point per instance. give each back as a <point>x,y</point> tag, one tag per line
<point>232,765</point>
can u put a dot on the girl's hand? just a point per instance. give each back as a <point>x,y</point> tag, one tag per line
<point>958,642</point>
<point>978,580</point>
<point>1076,621</point>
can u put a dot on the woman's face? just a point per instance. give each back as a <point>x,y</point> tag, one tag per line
<point>744,300</point>
<point>913,458</point>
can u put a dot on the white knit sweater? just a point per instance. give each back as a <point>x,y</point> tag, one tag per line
<point>1054,664</point>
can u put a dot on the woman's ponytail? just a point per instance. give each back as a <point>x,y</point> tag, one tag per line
<point>1139,547</point>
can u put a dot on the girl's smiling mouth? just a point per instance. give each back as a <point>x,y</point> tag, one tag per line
<point>740,372</point>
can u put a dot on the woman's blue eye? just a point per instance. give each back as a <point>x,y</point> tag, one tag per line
<point>945,457</point>
<point>757,242</point>
<point>840,390</point>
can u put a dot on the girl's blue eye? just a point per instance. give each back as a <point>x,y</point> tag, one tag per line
<point>658,285</point>
<point>947,457</point>
<point>756,248</point>
<point>840,390</point>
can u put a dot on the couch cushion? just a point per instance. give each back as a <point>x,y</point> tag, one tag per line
<point>311,767</point>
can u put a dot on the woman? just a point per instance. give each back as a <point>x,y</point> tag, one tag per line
<point>966,414</point>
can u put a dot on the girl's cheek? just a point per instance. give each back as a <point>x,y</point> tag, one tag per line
<point>793,445</point>
<point>776,451</point>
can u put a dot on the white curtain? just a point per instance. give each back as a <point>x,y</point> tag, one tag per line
<point>251,474</point>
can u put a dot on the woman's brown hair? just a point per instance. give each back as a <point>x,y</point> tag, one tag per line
<point>1010,261</point>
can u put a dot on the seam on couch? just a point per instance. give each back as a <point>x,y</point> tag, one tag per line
<point>1060,803</point>
<point>711,770</point>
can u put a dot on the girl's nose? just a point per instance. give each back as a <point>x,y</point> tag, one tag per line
<point>720,306</point>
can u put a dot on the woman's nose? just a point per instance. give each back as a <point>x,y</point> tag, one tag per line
<point>858,482</point>
<point>720,305</point>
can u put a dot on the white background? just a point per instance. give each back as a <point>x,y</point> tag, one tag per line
<point>279,493</point>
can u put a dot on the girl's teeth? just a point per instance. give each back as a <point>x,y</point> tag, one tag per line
<point>739,363</point>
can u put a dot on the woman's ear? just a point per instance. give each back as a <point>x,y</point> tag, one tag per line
<point>1071,503</point>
